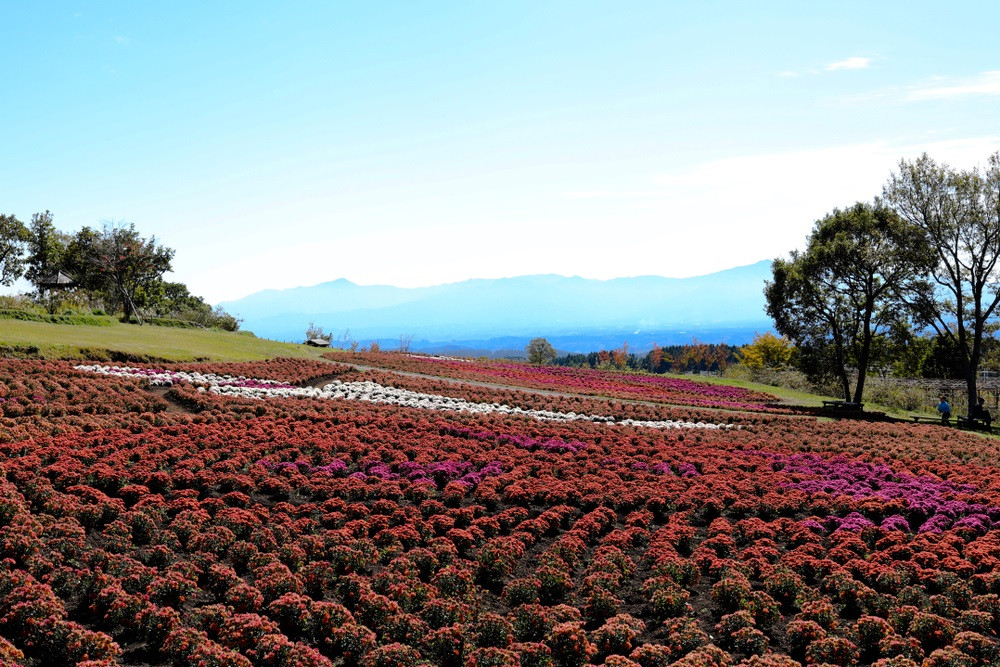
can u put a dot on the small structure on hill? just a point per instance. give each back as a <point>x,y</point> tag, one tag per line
<point>56,280</point>
<point>318,342</point>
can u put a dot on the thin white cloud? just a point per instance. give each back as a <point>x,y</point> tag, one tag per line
<point>855,62</point>
<point>121,39</point>
<point>788,74</point>
<point>690,219</point>
<point>985,83</point>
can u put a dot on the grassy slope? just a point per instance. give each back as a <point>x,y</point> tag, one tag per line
<point>792,396</point>
<point>72,341</point>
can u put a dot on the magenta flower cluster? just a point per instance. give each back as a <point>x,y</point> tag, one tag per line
<point>932,504</point>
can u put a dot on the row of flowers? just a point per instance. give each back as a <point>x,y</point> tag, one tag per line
<point>161,377</point>
<point>550,400</point>
<point>611,384</point>
<point>364,391</point>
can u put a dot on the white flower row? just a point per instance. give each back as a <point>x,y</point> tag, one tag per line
<point>227,385</point>
<point>165,378</point>
<point>376,393</point>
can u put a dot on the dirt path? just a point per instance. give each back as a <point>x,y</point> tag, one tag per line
<point>173,405</point>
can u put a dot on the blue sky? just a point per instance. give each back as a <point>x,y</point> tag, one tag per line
<point>415,143</point>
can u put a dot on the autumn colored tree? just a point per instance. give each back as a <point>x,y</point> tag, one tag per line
<point>128,262</point>
<point>766,351</point>
<point>619,357</point>
<point>654,359</point>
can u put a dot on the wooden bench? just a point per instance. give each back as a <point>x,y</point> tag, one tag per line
<point>929,420</point>
<point>844,405</point>
<point>972,424</point>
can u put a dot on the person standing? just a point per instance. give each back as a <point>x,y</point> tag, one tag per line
<point>944,410</point>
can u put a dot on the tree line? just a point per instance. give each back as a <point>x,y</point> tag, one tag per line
<point>915,269</point>
<point>695,357</point>
<point>113,268</point>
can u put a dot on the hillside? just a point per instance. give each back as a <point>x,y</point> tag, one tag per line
<point>131,341</point>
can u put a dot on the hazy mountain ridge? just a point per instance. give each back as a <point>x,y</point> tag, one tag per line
<point>575,313</point>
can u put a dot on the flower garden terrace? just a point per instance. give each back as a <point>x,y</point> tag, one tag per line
<point>298,531</point>
<point>604,383</point>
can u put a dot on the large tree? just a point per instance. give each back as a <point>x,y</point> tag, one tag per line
<point>958,212</point>
<point>127,262</point>
<point>80,259</point>
<point>836,298</point>
<point>46,246</point>
<point>540,351</point>
<point>13,243</point>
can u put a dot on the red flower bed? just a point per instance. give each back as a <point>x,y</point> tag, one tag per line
<point>304,532</point>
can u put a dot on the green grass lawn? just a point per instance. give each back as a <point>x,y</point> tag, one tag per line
<point>72,341</point>
<point>793,396</point>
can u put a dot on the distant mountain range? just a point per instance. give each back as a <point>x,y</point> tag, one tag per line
<point>501,315</point>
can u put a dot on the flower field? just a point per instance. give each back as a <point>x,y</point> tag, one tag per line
<point>610,384</point>
<point>278,513</point>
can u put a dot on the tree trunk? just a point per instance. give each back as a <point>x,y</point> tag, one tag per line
<point>972,368</point>
<point>863,355</point>
<point>859,389</point>
<point>838,346</point>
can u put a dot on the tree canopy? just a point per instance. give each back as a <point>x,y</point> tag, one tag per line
<point>958,215</point>
<point>14,237</point>
<point>127,262</point>
<point>540,351</point>
<point>836,297</point>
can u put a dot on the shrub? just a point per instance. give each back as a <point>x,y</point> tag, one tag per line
<point>617,635</point>
<point>750,641</point>
<point>493,630</point>
<point>669,601</point>
<point>834,650</point>
<point>601,604</point>
<point>492,657</point>
<point>570,645</point>
<point>869,631</point>
<point>983,649</point>
<point>732,593</point>
<point>445,646</point>
<point>949,657</point>
<point>521,591</point>
<point>392,655</point>
<point>684,635</point>
<point>652,655</point>
<point>803,633</point>
<point>895,646</point>
<point>931,630</point>
<point>350,642</point>
<point>533,654</point>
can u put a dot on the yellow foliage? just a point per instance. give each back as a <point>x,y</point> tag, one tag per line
<point>766,351</point>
